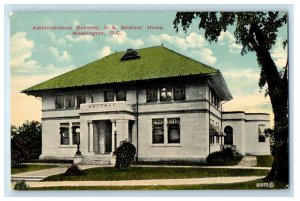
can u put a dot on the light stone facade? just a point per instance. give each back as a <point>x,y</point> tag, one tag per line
<point>103,125</point>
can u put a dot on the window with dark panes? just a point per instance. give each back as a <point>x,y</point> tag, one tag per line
<point>64,134</point>
<point>151,95</point>
<point>108,96</point>
<point>75,132</point>
<point>157,131</point>
<point>179,93</point>
<point>261,135</point>
<point>121,95</point>
<point>228,139</point>
<point>174,130</point>
<point>80,100</point>
<point>70,101</point>
<point>59,102</point>
<point>165,94</point>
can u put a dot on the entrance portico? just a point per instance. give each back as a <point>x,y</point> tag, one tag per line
<point>104,126</point>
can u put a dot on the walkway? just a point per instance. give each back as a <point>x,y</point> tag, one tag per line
<point>39,175</point>
<point>152,182</point>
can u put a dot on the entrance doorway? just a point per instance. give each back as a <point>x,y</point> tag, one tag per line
<point>102,137</point>
<point>228,140</point>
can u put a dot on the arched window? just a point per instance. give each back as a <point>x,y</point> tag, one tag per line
<point>228,139</point>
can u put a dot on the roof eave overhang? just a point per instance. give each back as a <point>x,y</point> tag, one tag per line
<point>220,86</point>
<point>40,92</point>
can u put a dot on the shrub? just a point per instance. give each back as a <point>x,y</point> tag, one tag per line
<point>125,155</point>
<point>21,186</point>
<point>224,157</point>
<point>73,170</point>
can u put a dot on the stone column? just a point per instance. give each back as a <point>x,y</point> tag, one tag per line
<point>113,129</point>
<point>91,136</point>
<point>122,130</point>
<point>158,94</point>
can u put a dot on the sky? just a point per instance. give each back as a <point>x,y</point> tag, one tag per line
<point>38,55</point>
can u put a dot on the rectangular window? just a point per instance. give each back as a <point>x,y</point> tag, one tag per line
<point>59,102</point>
<point>165,94</point>
<point>217,102</point>
<point>108,96</point>
<point>76,132</point>
<point>151,95</point>
<point>173,130</point>
<point>261,135</point>
<point>179,93</point>
<point>121,95</point>
<point>157,131</point>
<point>64,134</point>
<point>70,101</point>
<point>80,100</point>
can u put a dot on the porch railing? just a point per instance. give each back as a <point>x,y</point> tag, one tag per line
<point>106,107</point>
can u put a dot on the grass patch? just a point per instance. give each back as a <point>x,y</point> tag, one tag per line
<point>29,168</point>
<point>250,185</point>
<point>264,161</point>
<point>138,173</point>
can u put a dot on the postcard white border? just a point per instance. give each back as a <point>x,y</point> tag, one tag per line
<point>149,7</point>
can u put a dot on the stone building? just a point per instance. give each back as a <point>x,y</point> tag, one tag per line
<point>168,105</point>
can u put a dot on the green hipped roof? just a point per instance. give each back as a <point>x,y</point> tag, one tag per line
<point>155,62</point>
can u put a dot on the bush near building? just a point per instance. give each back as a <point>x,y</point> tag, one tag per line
<point>125,155</point>
<point>73,170</point>
<point>224,157</point>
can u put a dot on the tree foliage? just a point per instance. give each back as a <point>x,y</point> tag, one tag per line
<point>26,142</point>
<point>257,32</point>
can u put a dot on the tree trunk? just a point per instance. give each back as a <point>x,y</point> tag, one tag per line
<point>278,88</point>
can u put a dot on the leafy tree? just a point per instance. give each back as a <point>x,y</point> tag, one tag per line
<point>26,142</point>
<point>256,32</point>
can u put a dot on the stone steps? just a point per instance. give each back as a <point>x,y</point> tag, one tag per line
<point>98,160</point>
<point>248,161</point>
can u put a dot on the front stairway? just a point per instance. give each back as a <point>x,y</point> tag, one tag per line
<point>98,159</point>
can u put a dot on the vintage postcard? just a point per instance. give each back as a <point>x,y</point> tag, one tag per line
<point>149,100</point>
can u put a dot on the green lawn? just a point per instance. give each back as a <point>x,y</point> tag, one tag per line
<point>28,168</point>
<point>264,161</point>
<point>251,185</point>
<point>133,173</point>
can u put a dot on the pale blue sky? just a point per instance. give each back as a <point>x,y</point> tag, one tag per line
<point>39,55</point>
